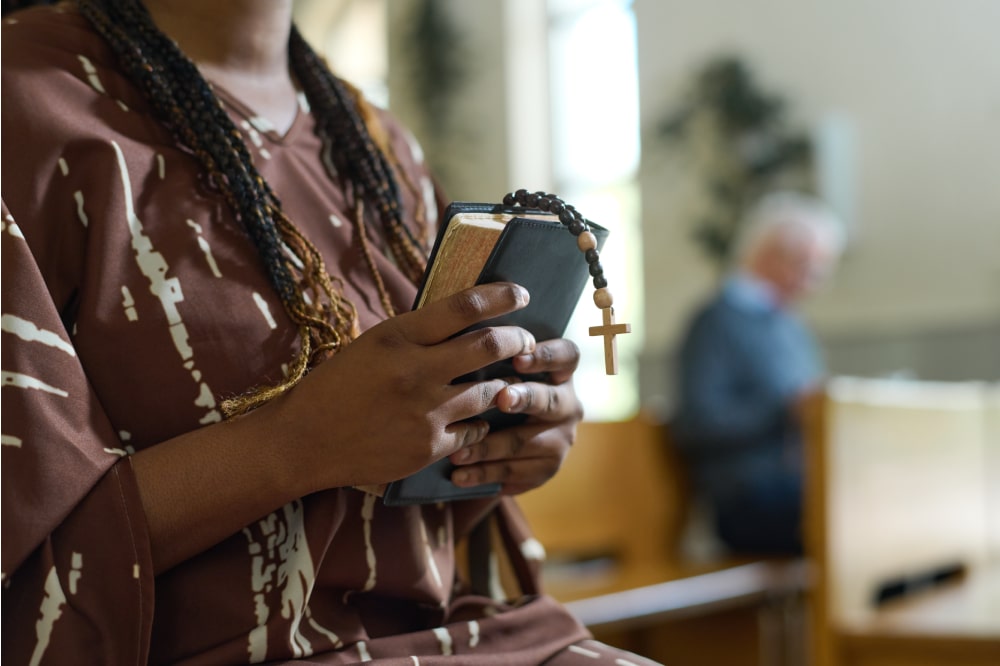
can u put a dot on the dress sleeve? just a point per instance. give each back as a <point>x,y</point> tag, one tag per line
<point>77,566</point>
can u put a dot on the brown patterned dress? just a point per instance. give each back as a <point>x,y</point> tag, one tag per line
<point>132,302</point>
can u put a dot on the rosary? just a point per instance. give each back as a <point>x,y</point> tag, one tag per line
<point>587,242</point>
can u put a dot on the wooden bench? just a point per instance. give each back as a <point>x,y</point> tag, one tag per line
<point>903,479</point>
<point>611,522</point>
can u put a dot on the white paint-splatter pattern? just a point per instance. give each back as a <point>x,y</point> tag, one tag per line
<point>264,310</point>
<point>50,611</point>
<point>167,290</point>
<point>21,380</point>
<point>63,166</point>
<point>81,214</point>
<point>128,303</point>
<point>76,563</point>
<point>473,633</point>
<point>332,637</point>
<point>363,652</point>
<point>95,81</point>
<point>10,226</point>
<point>161,166</point>
<point>584,652</point>
<point>10,440</point>
<point>206,249</point>
<point>444,638</point>
<point>336,221</point>
<point>28,332</point>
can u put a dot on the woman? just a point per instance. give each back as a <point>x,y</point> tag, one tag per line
<point>208,241</point>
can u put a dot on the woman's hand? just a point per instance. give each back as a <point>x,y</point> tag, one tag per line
<point>384,406</point>
<point>526,456</point>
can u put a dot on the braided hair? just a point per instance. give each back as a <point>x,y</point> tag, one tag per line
<point>185,103</point>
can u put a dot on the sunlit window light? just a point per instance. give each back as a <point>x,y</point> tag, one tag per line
<point>595,139</point>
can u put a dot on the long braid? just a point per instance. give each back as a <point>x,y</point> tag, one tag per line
<point>355,155</point>
<point>184,101</point>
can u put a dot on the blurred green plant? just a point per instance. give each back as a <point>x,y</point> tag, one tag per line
<point>737,139</point>
<point>438,65</point>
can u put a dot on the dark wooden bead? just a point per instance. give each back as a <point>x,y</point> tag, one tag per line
<point>596,269</point>
<point>566,217</point>
<point>600,282</point>
<point>521,195</point>
<point>592,256</point>
<point>544,203</point>
<point>557,206</point>
<point>576,227</point>
<point>508,199</point>
<point>532,200</point>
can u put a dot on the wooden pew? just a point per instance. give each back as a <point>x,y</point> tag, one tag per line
<point>611,523</point>
<point>902,480</point>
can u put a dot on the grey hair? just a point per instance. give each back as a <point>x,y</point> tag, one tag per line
<point>789,214</point>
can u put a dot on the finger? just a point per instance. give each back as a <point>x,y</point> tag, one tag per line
<point>514,475</point>
<point>559,358</point>
<point>468,400</point>
<point>465,434</point>
<point>545,401</point>
<point>505,444</point>
<point>531,440</point>
<point>442,319</point>
<point>477,349</point>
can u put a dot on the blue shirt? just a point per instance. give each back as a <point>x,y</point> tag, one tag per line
<point>743,361</point>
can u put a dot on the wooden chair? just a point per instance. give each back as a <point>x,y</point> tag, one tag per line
<point>611,523</point>
<point>618,501</point>
<point>898,485</point>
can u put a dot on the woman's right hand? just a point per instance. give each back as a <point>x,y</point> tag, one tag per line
<point>380,409</point>
<point>384,406</point>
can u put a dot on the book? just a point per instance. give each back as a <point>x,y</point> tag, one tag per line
<point>482,243</point>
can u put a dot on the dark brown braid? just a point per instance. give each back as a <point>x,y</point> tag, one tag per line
<point>184,101</point>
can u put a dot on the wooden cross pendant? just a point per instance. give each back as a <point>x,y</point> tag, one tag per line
<point>609,330</point>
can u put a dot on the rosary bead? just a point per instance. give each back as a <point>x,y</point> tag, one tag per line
<point>566,217</point>
<point>508,199</point>
<point>600,282</point>
<point>544,204</point>
<point>520,195</point>
<point>532,200</point>
<point>586,241</point>
<point>596,269</point>
<point>557,206</point>
<point>592,255</point>
<point>576,227</point>
<point>603,298</point>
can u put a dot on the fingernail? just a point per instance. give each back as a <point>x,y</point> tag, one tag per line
<point>516,395</point>
<point>522,295</point>
<point>460,477</point>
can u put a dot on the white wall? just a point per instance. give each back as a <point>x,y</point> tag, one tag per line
<point>919,81</point>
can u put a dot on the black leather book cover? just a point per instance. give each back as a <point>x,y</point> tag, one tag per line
<point>542,257</point>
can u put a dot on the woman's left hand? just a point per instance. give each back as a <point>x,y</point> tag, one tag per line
<point>526,456</point>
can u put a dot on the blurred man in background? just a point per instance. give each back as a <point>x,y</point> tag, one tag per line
<point>745,363</point>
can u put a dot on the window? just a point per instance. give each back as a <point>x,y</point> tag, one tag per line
<point>594,107</point>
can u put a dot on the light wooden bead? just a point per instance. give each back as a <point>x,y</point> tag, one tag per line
<point>603,298</point>
<point>586,241</point>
